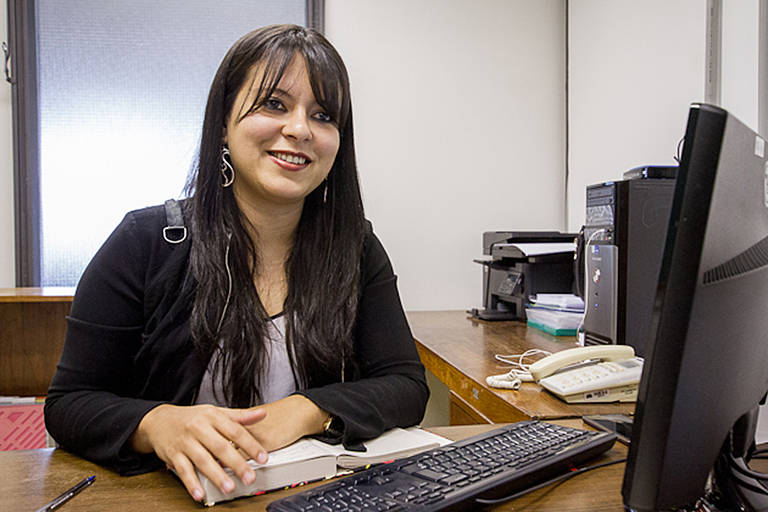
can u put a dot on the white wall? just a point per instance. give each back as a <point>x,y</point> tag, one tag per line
<point>738,92</point>
<point>634,69</point>
<point>459,118</point>
<point>7,244</point>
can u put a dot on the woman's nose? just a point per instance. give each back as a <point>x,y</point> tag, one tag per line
<point>297,125</point>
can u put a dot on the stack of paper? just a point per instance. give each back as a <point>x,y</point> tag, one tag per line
<point>556,313</point>
<point>558,302</point>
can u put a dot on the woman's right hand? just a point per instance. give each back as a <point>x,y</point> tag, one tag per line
<point>205,437</point>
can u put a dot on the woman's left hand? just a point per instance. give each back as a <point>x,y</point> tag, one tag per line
<point>287,420</point>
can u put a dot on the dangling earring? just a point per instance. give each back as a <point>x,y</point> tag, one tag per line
<point>325,191</point>
<point>227,171</point>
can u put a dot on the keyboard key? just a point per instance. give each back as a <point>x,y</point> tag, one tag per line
<point>430,475</point>
<point>452,479</point>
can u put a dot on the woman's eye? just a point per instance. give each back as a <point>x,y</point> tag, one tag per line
<point>273,104</point>
<point>324,117</point>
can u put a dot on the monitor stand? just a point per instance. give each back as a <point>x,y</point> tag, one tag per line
<point>733,488</point>
<point>732,485</point>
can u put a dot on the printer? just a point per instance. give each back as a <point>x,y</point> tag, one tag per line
<point>521,264</point>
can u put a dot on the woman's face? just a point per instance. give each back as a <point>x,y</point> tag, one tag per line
<point>283,149</point>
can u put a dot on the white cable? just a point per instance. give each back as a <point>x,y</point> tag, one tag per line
<point>519,372</point>
<point>508,359</point>
<point>503,382</point>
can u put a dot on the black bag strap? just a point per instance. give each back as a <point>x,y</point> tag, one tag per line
<point>175,232</point>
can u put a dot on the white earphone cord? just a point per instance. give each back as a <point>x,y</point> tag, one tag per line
<point>229,284</point>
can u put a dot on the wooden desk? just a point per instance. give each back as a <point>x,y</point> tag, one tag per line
<point>460,350</point>
<point>29,479</point>
<point>32,329</point>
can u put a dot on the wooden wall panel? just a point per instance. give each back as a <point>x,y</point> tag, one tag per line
<point>32,329</point>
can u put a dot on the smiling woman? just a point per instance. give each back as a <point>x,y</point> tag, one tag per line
<point>277,317</point>
<point>284,145</point>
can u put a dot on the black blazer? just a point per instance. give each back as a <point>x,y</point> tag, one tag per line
<point>128,349</point>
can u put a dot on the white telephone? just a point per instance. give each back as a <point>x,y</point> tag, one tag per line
<point>601,373</point>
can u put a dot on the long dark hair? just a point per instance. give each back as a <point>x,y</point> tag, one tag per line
<point>323,268</point>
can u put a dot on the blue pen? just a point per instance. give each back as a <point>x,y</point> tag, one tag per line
<point>67,495</point>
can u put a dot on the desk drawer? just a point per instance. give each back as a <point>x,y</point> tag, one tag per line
<point>462,413</point>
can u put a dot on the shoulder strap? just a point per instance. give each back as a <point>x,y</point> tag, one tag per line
<point>175,232</point>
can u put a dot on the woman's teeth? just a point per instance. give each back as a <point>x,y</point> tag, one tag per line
<point>294,159</point>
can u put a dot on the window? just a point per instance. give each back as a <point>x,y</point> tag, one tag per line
<point>118,92</point>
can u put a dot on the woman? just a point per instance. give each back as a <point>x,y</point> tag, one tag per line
<point>277,317</point>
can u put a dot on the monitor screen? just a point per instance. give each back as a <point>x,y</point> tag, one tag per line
<point>706,366</point>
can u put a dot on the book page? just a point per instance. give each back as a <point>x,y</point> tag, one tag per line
<point>303,449</point>
<point>393,444</point>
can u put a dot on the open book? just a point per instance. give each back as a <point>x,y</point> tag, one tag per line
<point>309,460</point>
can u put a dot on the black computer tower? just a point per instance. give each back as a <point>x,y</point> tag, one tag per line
<point>624,233</point>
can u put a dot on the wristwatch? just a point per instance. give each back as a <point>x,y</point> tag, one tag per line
<point>333,426</point>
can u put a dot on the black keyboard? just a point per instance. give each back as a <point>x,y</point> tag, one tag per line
<point>492,465</point>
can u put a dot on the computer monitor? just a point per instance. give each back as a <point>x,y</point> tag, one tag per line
<point>706,367</point>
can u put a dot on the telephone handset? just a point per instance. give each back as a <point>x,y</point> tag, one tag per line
<point>601,373</point>
<point>550,364</point>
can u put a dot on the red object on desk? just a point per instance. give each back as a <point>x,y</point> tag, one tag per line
<point>22,426</point>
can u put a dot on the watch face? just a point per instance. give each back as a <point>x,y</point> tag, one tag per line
<point>334,427</point>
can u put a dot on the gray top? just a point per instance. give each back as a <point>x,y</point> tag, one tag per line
<point>278,378</point>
